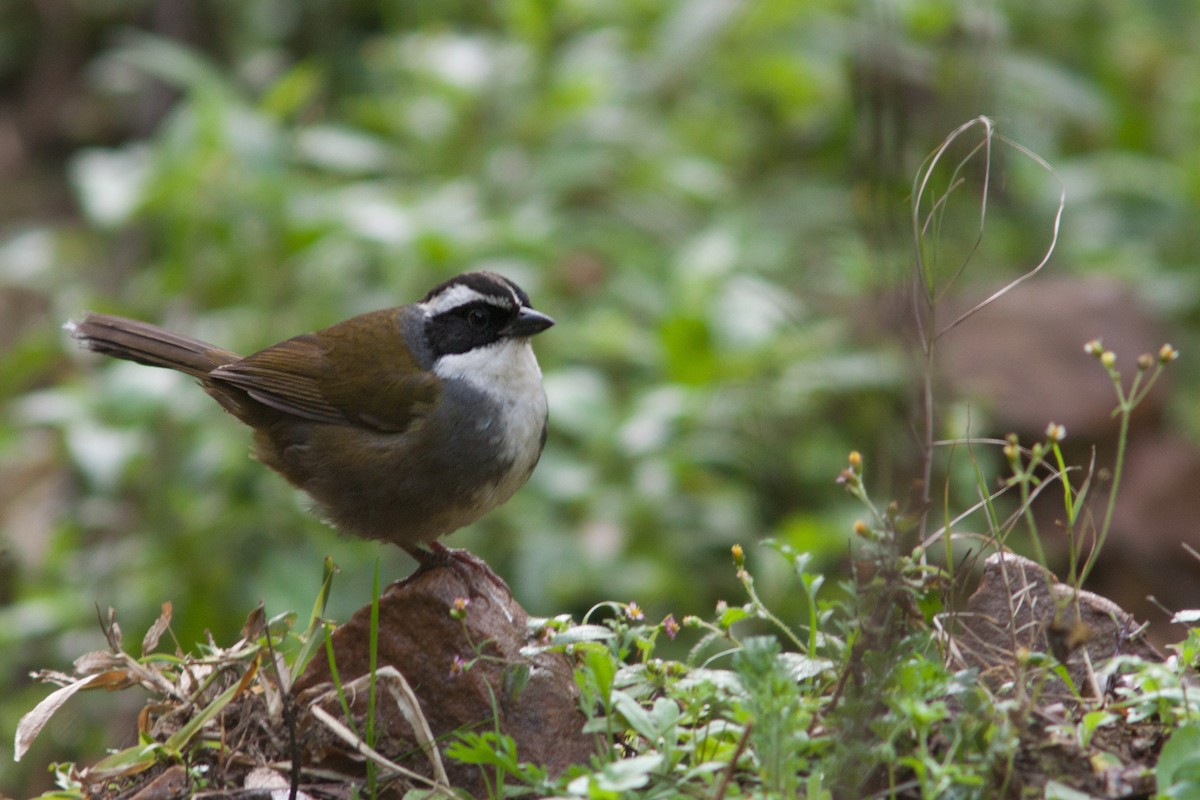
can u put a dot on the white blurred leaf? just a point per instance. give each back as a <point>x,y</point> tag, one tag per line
<point>341,149</point>
<point>110,183</point>
<point>579,400</point>
<point>652,421</point>
<point>376,214</point>
<point>749,311</point>
<point>28,255</point>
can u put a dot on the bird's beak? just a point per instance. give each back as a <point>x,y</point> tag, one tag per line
<point>527,323</point>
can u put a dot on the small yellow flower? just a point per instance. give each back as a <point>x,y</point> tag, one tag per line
<point>855,460</point>
<point>458,609</point>
<point>739,556</point>
<point>1108,358</point>
<point>1167,353</point>
<point>861,529</point>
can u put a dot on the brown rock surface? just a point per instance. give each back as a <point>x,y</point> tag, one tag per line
<point>1022,357</point>
<point>419,637</point>
<point>1019,606</point>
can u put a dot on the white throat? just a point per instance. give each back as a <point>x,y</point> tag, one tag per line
<point>508,372</point>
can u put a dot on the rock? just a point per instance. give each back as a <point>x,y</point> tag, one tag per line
<point>1144,565</point>
<point>1022,357</point>
<point>1020,606</point>
<point>466,675</point>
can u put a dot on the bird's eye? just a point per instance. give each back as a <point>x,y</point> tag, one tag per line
<point>477,318</point>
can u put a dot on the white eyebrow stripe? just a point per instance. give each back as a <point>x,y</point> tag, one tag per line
<point>460,295</point>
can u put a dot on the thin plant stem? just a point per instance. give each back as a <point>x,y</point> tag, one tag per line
<point>373,659</point>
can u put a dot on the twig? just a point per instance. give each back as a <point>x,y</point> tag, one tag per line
<point>727,775</point>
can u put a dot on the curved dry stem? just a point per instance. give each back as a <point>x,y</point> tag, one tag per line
<point>922,226</point>
<point>925,228</point>
<point>1049,251</point>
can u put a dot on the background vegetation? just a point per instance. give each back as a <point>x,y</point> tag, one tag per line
<point>710,196</point>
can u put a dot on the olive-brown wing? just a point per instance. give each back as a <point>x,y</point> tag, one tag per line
<point>357,372</point>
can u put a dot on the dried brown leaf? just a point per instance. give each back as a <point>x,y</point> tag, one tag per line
<point>32,723</point>
<point>97,661</point>
<point>112,631</point>
<point>152,637</point>
<point>256,624</point>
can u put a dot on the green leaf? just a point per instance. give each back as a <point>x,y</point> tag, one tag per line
<point>178,740</point>
<point>687,342</point>
<point>516,678</point>
<point>488,749</point>
<point>636,716</point>
<point>722,679</point>
<point>314,636</point>
<point>1092,721</point>
<point>582,633</point>
<point>600,666</point>
<point>126,762</point>
<point>1178,771</point>
<point>295,89</point>
<point>732,615</point>
<point>665,714</point>
<point>619,776</point>
<point>803,667</point>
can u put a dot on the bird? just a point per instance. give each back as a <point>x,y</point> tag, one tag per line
<point>402,425</point>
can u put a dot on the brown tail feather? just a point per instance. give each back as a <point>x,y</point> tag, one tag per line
<point>148,344</point>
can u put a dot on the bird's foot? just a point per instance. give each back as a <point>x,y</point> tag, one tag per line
<point>463,561</point>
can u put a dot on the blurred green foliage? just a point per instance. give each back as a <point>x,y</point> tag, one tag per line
<point>707,195</point>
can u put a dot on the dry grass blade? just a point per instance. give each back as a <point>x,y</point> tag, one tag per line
<point>362,748</point>
<point>406,699</point>
<point>401,691</point>
<point>921,225</point>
